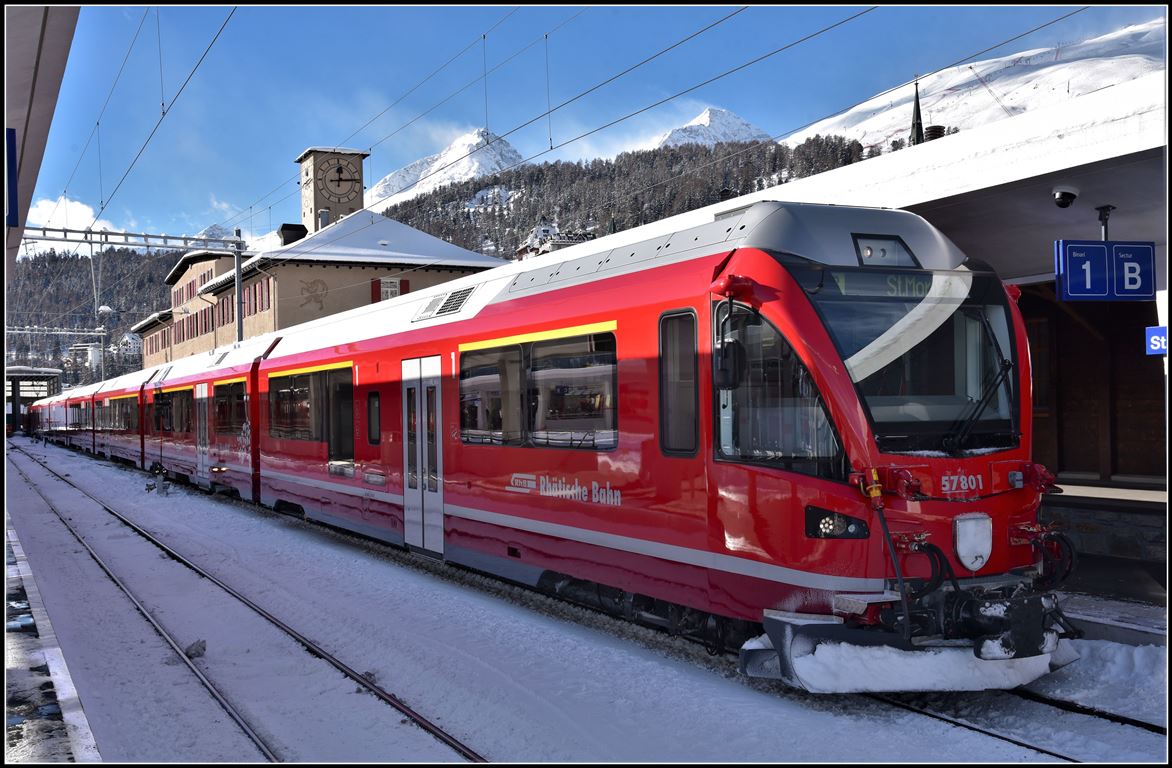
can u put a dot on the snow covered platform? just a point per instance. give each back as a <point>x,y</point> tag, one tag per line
<point>1118,599</point>
<point>1121,621</point>
<point>29,658</point>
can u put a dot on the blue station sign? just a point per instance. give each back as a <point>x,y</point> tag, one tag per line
<point>1105,270</point>
<point>1157,340</point>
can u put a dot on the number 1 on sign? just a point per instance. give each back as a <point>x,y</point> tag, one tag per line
<point>1086,268</point>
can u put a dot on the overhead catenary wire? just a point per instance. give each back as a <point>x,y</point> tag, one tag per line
<point>244,211</point>
<point>419,116</point>
<point>565,103</point>
<point>618,198</point>
<point>101,112</point>
<point>146,143</point>
<point>159,29</point>
<point>389,107</point>
<point>790,131</point>
<point>324,243</point>
<point>435,106</point>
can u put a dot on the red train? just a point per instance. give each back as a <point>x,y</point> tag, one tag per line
<point>811,422</point>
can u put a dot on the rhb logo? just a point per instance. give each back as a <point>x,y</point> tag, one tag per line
<point>522,483</point>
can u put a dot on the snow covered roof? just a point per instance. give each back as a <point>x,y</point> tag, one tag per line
<point>151,319</point>
<point>364,238</point>
<point>188,259</point>
<point>217,359</point>
<point>24,370</point>
<point>128,380</point>
<point>334,150</point>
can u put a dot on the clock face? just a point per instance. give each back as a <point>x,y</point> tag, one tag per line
<point>337,179</point>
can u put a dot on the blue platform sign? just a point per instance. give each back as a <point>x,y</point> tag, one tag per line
<point>1105,270</point>
<point>1157,340</point>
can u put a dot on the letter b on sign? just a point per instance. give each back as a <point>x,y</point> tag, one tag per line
<point>1131,281</point>
<point>1135,274</point>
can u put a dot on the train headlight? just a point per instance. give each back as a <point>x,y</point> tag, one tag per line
<point>973,539</point>
<point>825,524</point>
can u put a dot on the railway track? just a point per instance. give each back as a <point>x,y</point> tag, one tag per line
<point>725,664</point>
<point>1082,709</point>
<point>962,723</point>
<point>363,681</point>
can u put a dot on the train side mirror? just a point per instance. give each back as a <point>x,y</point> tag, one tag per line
<point>731,365</point>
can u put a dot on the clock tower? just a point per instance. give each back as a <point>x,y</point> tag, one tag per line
<point>331,184</point>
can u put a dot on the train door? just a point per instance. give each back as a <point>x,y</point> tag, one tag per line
<point>423,476</point>
<point>201,434</point>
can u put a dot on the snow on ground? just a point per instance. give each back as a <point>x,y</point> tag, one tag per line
<point>1125,679</point>
<point>512,682</point>
<point>243,653</point>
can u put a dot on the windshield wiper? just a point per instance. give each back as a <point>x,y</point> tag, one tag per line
<point>954,442</point>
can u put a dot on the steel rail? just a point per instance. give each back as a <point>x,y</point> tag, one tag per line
<point>427,725</point>
<point>269,754</point>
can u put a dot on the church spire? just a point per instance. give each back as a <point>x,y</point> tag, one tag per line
<point>917,136</point>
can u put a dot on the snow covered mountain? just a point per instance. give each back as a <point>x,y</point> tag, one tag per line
<point>256,242</point>
<point>492,154</point>
<point>981,92</point>
<point>215,231</point>
<point>711,127</point>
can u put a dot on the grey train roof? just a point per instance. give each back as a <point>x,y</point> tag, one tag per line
<point>820,233</point>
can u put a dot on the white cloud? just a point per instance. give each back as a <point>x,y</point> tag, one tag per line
<point>221,206</point>
<point>65,213</point>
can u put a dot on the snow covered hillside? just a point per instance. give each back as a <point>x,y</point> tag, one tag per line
<point>1013,84</point>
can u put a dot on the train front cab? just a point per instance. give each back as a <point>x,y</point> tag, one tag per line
<point>895,374</point>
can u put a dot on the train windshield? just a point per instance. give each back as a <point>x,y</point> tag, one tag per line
<point>770,411</point>
<point>930,353</point>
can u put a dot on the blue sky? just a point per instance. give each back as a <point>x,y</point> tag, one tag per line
<point>280,79</point>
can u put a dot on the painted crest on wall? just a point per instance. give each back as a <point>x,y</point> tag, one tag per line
<point>314,291</point>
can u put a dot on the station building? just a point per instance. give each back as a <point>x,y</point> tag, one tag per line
<point>322,267</point>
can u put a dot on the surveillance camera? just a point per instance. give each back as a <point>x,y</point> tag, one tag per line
<point>1065,195</point>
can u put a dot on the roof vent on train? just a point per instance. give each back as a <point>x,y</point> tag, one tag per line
<point>444,304</point>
